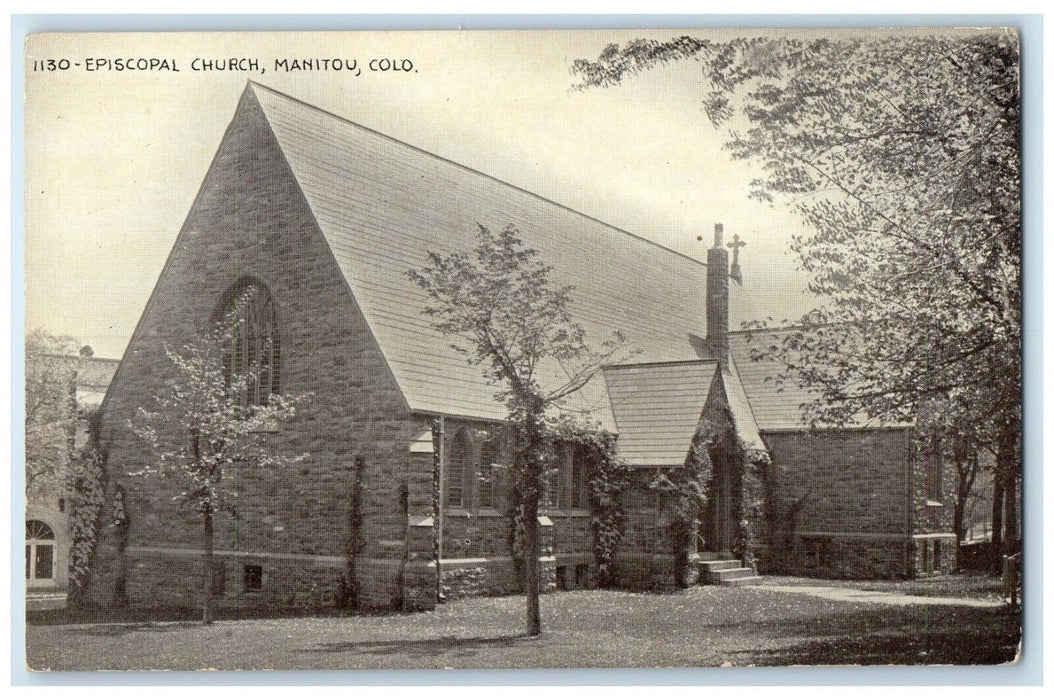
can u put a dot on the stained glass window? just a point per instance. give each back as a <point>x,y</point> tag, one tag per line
<point>251,354</point>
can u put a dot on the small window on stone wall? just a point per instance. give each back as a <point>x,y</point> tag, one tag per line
<point>581,471</point>
<point>817,552</point>
<point>252,577</point>
<point>490,473</point>
<point>457,468</point>
<point>562,584</point>
<point>934,469</point>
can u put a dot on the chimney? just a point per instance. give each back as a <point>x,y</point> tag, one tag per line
<point>717,298</point>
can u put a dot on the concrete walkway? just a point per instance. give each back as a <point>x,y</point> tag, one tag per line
<point>856,595</point>
<point>45,599</point>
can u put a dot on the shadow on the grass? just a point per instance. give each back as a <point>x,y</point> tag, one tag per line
<point>421,647</point>
<point>945,648</point>
<point>916,620</point>
<point>121,629</point>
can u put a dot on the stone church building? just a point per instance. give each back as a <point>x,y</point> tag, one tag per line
<point>319,219</point>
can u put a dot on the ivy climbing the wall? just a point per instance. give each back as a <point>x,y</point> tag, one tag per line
<point>748,540</point>
<point>347,594</point>
<point>685,493</point>
<point>609,477</point>
<point>88,483</point>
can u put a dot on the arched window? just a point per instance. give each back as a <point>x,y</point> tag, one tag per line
<point>40,552</point>
<point>251,348</point>
<point>581,472</point>
<point>490,472</point>
<point>457,467</point>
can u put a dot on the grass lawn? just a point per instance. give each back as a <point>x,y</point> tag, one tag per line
<point>700,626</point>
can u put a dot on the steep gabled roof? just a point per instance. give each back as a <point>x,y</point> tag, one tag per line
<point>657,409</point>
<point>742,412</point>
<point>382,204</point>
<point>776,405</point>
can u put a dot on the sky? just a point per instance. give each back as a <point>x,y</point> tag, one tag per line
<point>115,158</point>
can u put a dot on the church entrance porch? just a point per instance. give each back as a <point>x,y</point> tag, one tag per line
<point>720,563</point>
<point>720,535</point>
<point>720,522</point>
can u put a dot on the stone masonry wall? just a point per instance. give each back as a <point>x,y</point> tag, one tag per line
<point>250,220</point>
<point>644,560</point>
<point>935,549</point>
<point>476,556</point>
<point>843,503</point>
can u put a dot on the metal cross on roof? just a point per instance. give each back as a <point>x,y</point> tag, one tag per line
<point>735,244</point>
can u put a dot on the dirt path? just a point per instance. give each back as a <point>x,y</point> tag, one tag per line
<point>856,595</point>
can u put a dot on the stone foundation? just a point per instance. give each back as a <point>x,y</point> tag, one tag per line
<point>250,584</point>
<point>934,555</point>
<point>846,557</point>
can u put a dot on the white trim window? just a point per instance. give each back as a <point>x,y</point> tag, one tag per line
<point>40,553</point>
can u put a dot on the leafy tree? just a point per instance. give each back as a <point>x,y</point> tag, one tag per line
<point>204,427</point>
<point>509,319</point>
<point>51,408</point>
<point>901,154</point>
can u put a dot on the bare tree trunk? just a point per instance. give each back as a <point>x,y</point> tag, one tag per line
<point>1007,469</point>
<point>207,615</point>
<point>959,515</point>
<point>1010,514</point>
<point>966,471</point>
<point>532,574</point>
<point>997,521</point>
<point>997,511</point>
<point>530,444</point>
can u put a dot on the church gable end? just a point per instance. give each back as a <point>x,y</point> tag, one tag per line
<point>250,224</point>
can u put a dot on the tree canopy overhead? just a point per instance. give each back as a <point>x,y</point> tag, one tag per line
<point>901,153</point>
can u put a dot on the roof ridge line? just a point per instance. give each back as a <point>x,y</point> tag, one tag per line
<point>792,327</point>
<point>472,170</point>
<point>700,361</point>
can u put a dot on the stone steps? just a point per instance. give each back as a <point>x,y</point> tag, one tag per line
<point>714,556</point>
<point>719,565</point>
<point>722,569</point>
<point>744,581</point>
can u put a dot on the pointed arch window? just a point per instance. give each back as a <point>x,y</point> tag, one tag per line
<point>490,472</point>
<point>251,346</point>
<point>458,466</point>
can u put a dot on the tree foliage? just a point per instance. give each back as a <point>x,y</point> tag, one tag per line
<point>51,408</point>
<point>609,476</point>
<point>901,154</point>
<point>202,430</point>
<point>508,318</point>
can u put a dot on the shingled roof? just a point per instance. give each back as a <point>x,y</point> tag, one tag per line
<point>657,408</point>
<point>382,204</point>
<point>777,405</point>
